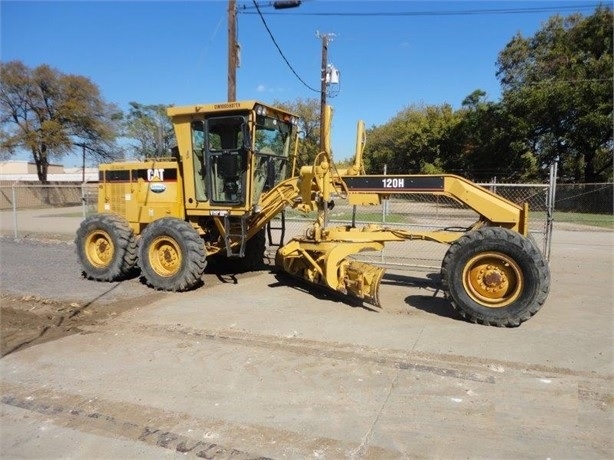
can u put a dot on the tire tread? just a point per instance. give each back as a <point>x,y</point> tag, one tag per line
<point>194,256</point>
<point>124,240</point>
<point>477,237</point>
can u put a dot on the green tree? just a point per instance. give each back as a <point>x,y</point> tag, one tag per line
<point>49,113</point>
<point>308,111</point>
<point>416,140</point>
<point>488,142</point>
<point>558,84</point>
<point>151,129</point>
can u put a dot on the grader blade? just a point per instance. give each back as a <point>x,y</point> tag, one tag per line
<point>362,281</point>
<point>326,264</point>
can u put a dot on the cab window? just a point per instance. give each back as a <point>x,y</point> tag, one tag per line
<point>227,144</point>
<point>198,159</point>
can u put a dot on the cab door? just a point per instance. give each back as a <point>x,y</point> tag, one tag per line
<point>227,160</point>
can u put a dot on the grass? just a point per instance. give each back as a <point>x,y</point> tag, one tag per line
<point>375,217</point>
<point>70,214</point>
<point>595,220</point>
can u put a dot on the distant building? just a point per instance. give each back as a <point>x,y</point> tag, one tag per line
<point>25,171</point>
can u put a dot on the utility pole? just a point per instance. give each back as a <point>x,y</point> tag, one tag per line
<point>232,50</point>
<point>233,46</point>
<point>323,77</point>
<point>323,88</point>
<point>83,147</point>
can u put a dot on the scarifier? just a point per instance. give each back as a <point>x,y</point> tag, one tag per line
<point>234,170</point>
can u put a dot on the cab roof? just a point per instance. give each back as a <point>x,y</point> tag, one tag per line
<point>217,107</point>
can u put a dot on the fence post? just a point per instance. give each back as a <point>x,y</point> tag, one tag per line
<point>385,200</point>
<point>83,198</point>
<point>550,206</point>
<point>14,210</point>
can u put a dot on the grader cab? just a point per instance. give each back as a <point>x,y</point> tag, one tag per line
<point>234,171</point>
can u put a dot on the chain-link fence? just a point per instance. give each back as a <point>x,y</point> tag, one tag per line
<point>585,198</point>
<point>591,203</point>
<point>20,201</point>
<point>426,212</point>
<point>23,195</point>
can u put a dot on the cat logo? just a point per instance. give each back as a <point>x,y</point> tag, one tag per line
<point>155,174</point>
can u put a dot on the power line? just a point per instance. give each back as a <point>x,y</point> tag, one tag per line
<point>280,51</point>
<point>417,13</point>
<point>554,80</point>
<point>527,10</point>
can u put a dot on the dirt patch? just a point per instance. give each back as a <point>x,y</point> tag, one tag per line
<point>30,320</point>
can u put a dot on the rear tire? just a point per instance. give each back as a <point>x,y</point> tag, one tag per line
<point>172,255</point>
<point>495,276</point>
<point>252,260</point>
<point>254,253</point>
<point>106,247</point>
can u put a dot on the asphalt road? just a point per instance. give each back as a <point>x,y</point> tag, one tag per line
<point>253,365</point>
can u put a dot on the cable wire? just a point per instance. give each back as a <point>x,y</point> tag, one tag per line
<point>280,51</point>
<point>526,10</point>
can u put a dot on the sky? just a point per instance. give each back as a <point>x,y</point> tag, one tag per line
<point>390,54</point>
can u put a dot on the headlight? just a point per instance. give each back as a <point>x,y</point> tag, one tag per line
<point>261,110</point>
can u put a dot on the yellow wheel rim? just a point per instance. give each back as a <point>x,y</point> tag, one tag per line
<point>99,248</point>
<point>493,279</point>
<point>165,256</point>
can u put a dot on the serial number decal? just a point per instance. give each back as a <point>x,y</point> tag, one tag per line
<point>229,105</point>
<point>393,183</point>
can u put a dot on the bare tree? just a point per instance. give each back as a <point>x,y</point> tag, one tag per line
<point>152,130</point>
<point>49,113</point>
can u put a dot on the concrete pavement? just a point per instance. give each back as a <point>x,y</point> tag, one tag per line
<point>259,365</point>
<point>581,298</point>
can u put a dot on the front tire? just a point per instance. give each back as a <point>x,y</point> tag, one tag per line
<point>495,276</point>
<point>255,248</point>
<point>106,247</point>
<point>172,255</point>
<point>252,260</point>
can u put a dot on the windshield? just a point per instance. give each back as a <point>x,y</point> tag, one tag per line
<point>272,136</point>
<point>272,143</point>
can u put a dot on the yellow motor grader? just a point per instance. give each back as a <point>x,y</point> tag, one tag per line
<point>234,170</point>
